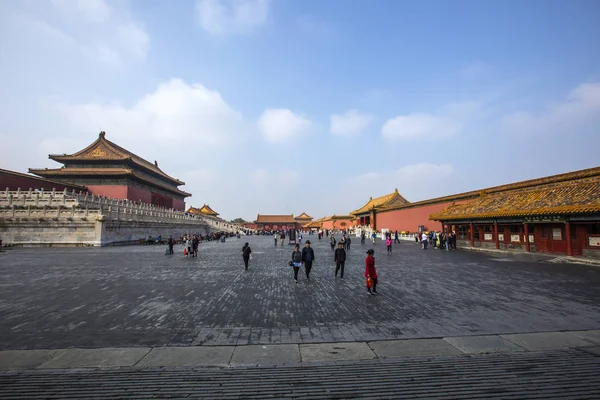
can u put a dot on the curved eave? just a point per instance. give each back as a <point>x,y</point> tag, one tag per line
<point>130,160</point>
<point>107,172</point>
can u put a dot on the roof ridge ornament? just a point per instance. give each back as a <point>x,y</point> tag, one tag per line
<point>102,134</point>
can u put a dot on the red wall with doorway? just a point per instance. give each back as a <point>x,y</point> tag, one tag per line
<point>409,219</point>
<point>337,224</point>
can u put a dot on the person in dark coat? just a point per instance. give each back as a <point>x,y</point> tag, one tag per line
<point>340,259</point>
<point>308,257</point>
<point>246,251</point>
<point>170,242</point>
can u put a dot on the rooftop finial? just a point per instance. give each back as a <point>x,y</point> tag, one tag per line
<point>102,134</point>
<point>156,163</point>
<point>396,190</point>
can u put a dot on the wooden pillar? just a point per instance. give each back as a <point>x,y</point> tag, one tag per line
<point>569,244</point>
<point>527,244</point>
<point>472,233</point>
<point>496,234</point>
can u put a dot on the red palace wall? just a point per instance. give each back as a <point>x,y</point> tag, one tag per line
<point>329,225</point>
<point>409,219</point>
<point>15,182</point>
<point>179,205</point>
<point>114,191</point>
<point>135,194</point>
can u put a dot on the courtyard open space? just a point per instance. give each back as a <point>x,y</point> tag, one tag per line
<point>138,296</point>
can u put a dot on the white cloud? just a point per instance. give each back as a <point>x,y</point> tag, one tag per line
<point>582,105</point>
<point>425,126</point>
<point>281,125</point>
<point>350,123</point>
<point>90,10</point>
<point>177,116</point>
<point>134,39</point>
<point>226,17</point>
<point>103,34</point>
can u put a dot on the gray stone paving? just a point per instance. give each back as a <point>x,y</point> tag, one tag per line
<point>136,296</point>
<point>563,374</point>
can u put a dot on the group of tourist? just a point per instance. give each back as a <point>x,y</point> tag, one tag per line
<point>438,240</point>
<point>345,242</point>
<point>306,257</point>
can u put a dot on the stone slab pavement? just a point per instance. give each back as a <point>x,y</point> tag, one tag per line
<point>556,374</point>
<point>135,296</point>
<point>292,354</point>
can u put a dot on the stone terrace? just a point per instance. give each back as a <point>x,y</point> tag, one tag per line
<point>137,296</point>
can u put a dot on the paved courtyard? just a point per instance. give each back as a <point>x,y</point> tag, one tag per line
<point>137,296</point>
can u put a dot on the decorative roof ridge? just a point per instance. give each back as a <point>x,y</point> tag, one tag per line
<point>548,199</point>
<point>120,153</point>
<point>537,183</point>
<point>385,199</point>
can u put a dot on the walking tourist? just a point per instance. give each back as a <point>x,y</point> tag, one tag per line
<point>396,240</point>
<point>362,237</point>
<point>282,237</point>
<point>275,238</point>
<point>373,236</point>
<point>424,240</point>
<point>388,244</point>
<point>370,271</point>
<point>308,257</point>
<point>170,243</point>
<point>339,259</point>
<point>348,241</point>
<point>246,254</point>
<point>343,240</point>
<point>190,246</point>
<point>195,242</point>
<point>332,242</point>
<point>296,261</point>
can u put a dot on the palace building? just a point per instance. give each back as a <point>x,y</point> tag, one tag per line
<point>107,169</point>
<point>557,214</point>
<point>337,222</point>
<point>284,222</point>
<point>204,210</point>
<point>303,219</point>
<point>367,214</point>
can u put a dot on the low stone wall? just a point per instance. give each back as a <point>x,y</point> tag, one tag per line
<point>50,232</point>
<point>30,218</point>
<point>516,247</point>
<point>123,232</point>
<point>591,253</point>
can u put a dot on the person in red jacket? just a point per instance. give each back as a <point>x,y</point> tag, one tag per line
<point>370,271</point>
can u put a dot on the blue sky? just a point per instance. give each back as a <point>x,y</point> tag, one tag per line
<point>286,106</point>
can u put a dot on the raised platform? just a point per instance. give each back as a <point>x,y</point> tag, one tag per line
<point>38,218</point>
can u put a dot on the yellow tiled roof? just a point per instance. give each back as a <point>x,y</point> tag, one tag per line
<point>380,202</point>
<point>579,197</point>
<point>275,219</point>
<point>304,216</point>
<point>589,173</point>
<point>104,150</point>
